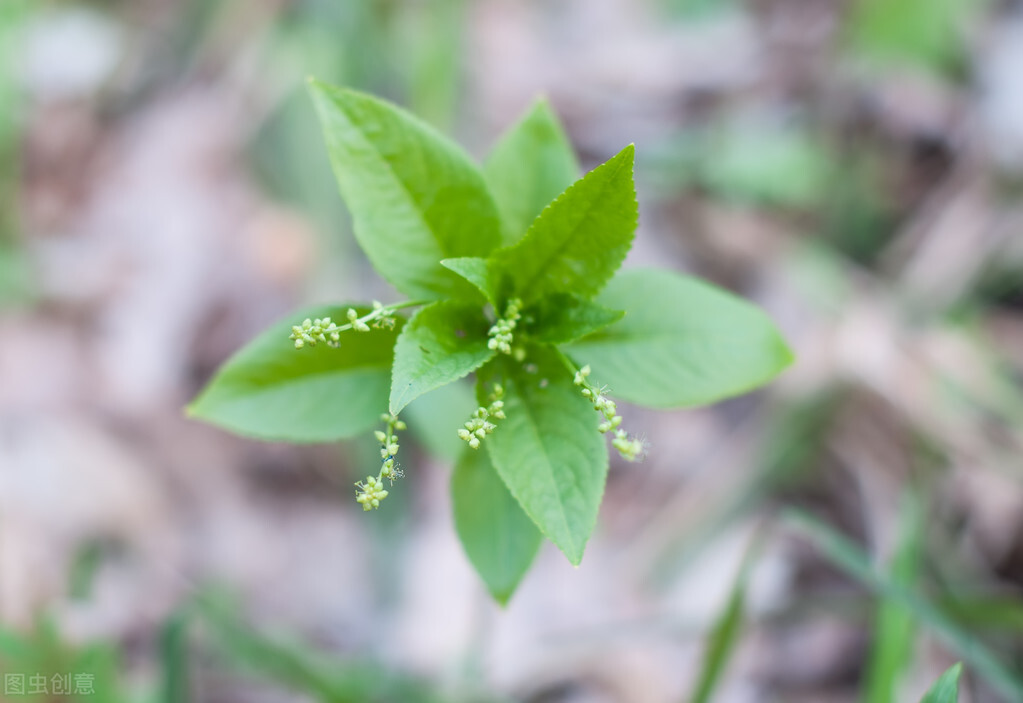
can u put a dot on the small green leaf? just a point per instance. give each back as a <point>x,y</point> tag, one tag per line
<point>529,167</point>
<point>273,391</point>
<point>482,273</point>
<point>415,197</point>
<point>564,318</point>
<point>547,449</point>
<point>682,342</point>
<point>581,239</point>
<point>946,688</point>
<point>499,539</point>
<point>442,343</point>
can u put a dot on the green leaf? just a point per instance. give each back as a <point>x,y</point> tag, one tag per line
<point>499,539</point>
<point>946,688</point>
<point>850,558</point>
<point>480,272</point>
<point>682,342</point>
<point>564,318</point>
<point>273,391</point>
<point>415,197</point>
<point>442,343</point>
<point>547,450</point>
<point>581,239</point>
<point>530,166</point>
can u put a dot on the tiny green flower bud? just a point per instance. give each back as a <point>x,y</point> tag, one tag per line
<point>400,426</point>
<point>352,314</point>
<point>474,443</point>
<point>381,437</point>
<point>464,435</point>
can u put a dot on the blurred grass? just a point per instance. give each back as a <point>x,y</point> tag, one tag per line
<point>854,562</point>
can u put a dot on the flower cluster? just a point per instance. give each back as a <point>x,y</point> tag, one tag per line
<point>502,331</point>
<point>630,448</point>
<point>312,331</point>
<point>372,491</point>
<point>479,425</point>
<point>327,331</point>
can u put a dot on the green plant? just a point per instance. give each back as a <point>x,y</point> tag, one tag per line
<point>513,267</point>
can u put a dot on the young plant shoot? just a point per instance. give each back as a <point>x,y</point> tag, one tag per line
<point>513,270</point>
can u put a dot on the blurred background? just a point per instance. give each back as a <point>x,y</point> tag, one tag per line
<point>853,166</point>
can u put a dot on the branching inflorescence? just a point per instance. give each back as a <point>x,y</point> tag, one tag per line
<point>329,332</point>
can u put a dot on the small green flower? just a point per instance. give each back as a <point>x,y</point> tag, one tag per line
<point>479,425</point>
<point>370,493</point>
<point>502,332</point>
<point>311,332</point>
<point>630,448</point>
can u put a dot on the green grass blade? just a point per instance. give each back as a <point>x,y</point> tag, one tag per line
<point>946,688</point>
<point>851,559</point>
<point>723,637</point>
<point>894,625</point>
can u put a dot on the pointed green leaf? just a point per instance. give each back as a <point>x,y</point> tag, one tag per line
<point>547,450</point>
<point>482,273</point>
<point>529,167</point>
<point>581,239</point>
<point>682,342</point>
<point>946,688</point>
<point>564,318</point>
<point>273,391</point>
<point>415,197</point>
<point>499,539</point>
<point>442,343</point>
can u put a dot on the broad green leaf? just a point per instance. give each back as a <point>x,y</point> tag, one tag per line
<point>442,343</point>
<point>499,539</point>
<point>581,239</point>
<point>682,342</point>
<point>273,391</point>
<point>564,318</point>
<point>547,449</point>
<point>850,558</point>
<point>480,272</point>
<point>415,197</point>
<point>946,688</point>
<point>529,167</point>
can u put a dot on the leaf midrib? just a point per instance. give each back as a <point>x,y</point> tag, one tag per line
<point>571,236</point>
<point>356,369</point>
<point>410,199</point>
<point>549,474</point>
